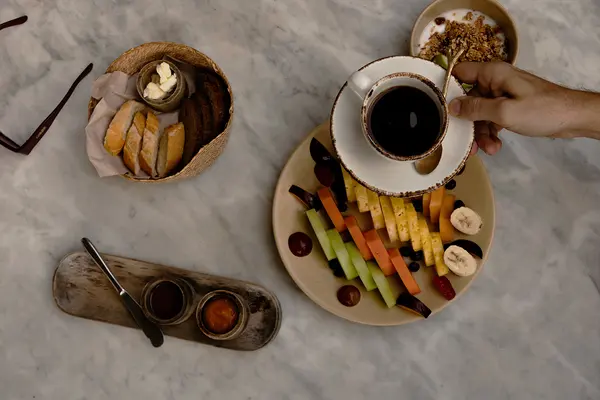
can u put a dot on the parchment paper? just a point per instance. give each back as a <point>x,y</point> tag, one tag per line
<point>113,90</point>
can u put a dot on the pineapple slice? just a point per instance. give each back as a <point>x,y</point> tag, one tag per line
<point>426,242</point>
<point>389,218</point>
<point>413,226</point>
<point>401,219</point>
<point>375,208</point>
<point>361,197</point>
<point>438,254</point>
<point>349,183</point>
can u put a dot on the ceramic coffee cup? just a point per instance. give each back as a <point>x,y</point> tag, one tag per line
<point>371,91</point>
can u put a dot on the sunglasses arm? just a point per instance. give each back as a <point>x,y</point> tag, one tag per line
<point>8,143</point>
<point>14,22</point>
<point>43,128</point>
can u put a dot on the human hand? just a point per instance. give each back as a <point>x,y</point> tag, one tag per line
<point>506,97</point>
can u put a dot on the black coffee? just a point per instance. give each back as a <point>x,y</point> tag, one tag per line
<point>405,121</point>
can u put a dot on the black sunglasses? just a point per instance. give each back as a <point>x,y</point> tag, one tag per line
<point>39,133</point>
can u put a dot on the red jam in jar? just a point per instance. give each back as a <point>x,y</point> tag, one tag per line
<point>220,314</point>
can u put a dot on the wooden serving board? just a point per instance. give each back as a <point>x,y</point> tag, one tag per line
<point>81,289</point>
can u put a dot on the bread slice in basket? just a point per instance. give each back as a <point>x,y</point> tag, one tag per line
<point>117,130</point>
<point>170,150</point>
<point>150,143</point>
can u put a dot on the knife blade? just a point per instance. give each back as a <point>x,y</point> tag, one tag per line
<point>151,330</point>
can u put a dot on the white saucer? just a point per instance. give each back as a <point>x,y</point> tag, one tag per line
<point>381,174</point>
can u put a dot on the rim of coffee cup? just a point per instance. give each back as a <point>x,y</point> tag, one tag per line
<point>365,116</point>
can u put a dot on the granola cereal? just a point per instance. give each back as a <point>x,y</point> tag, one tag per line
<point>482,41</point>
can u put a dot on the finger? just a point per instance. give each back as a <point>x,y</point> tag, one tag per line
<point>495,78</point>
<point>486,136</point>
<point>474,148</point>
<point>493,130</point>
<point>497,127</point>
<point>479,109</point>
<point>477,92</point>
<point>482,128</point>
<point>490,144</point>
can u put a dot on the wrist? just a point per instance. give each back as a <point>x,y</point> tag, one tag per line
<point>585,112</point>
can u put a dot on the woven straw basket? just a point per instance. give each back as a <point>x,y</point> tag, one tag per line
<point>134,59</point>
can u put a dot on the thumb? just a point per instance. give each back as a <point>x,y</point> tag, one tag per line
<point>478,108</point>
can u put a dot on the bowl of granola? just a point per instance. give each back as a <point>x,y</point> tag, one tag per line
<point>483,27</point>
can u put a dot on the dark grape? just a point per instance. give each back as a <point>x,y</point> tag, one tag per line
<point>443,285</point>
<point>451,185</point>
<point>324,174</point>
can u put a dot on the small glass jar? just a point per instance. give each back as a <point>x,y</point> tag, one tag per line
<point>168,301</point>
<point>222,315</point>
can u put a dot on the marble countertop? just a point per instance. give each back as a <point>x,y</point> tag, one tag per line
<point>529,328</point>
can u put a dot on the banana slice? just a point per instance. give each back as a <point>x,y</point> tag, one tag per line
<point>466,220</point>
<point>459,261</point>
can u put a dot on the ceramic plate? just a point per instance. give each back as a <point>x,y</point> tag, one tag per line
<point>380,173</point>
<point>312,274</point>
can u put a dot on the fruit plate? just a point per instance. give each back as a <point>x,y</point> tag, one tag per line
<point>312,274</point>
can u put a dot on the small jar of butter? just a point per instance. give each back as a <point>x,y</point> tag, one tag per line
<point>161,84</point>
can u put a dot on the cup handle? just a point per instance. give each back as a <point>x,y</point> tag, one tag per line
<point>360,83</point>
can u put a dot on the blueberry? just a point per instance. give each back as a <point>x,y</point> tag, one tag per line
<point>334,264</point>
<point>414,266</point>
<point>418,204</point>
<point>336,268</point>
<point>418,256</point>
<point>339,273</point>
<point>406,251</point>
<point>451,185</point>
<point>459,204</point>
<point>346,236</point>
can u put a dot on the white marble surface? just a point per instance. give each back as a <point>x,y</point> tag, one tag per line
<point>528,329</point>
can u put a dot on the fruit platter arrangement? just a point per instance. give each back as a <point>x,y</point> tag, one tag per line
<point>409,256</point>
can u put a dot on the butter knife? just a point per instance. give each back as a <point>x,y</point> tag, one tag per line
<point>151,330</point>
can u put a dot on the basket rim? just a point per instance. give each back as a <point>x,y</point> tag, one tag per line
<point>93,102</point>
